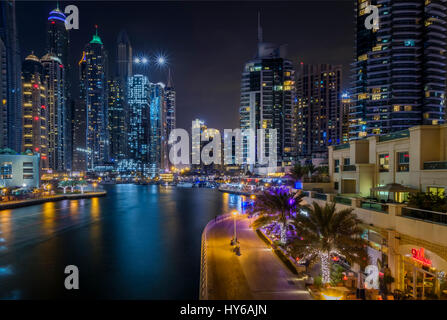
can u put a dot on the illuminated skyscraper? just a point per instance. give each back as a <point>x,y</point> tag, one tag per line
<point>79,122</point>
<point>95,96</point>
<point>399,69</point>
<point>124,57</point>
<point>58,44</point>
<point>35,112</point>
<point>170,98</point>
<point>319,110</point>
<point>267,99</point>
<point>139,125</point>
<point>118,114</point>
<point>157,151</point>
<point>58,132</point>
<point>119,110</point>
<point>10,63</point>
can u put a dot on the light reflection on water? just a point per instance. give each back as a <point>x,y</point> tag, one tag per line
<point>139,242</point>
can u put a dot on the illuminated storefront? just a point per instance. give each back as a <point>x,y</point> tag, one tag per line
<point>422,273</point>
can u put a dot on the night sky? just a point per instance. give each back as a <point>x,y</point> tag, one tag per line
<point>206,42</point>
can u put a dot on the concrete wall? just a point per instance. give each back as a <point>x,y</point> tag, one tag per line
<point>17,162</point>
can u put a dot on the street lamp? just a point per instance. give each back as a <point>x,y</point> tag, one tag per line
<point>234,240</point>
<point>94,186</point>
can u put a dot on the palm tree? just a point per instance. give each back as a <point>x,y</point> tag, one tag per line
<point>64,184</point>
<point>82,184</point>
<point>311,169</point>
<point>325,232</point>
<point>297,172</point>
<point>276,206</point>
<point>72,184</point>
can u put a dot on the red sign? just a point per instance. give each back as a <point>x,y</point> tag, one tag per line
<point>419,256</point>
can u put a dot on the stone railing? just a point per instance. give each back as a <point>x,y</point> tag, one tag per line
<point>203,289</point>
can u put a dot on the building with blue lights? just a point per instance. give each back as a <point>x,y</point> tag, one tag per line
<point>170,99</point>
<point>157,145</point>
<point>138,100</point>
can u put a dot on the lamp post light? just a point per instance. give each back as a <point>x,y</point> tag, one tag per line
<point>234,240</point>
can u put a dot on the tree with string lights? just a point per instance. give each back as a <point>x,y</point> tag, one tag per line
<point>276,206</point>
<point>326,234</point>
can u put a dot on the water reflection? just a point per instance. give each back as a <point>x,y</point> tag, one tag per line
<point>139,242</point>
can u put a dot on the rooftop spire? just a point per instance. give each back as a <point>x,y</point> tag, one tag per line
<point>259,28</point>
<point>96,38</point>
<point>169,85</point>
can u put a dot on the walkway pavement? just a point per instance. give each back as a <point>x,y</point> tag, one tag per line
<point>256,274</point>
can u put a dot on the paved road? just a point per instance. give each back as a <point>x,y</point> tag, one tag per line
<point>256,274</point>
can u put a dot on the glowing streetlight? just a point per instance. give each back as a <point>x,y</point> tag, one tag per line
<point>137,60</point>
<point>161,61</point>
<point>94,186</point>
<point>234,240</point>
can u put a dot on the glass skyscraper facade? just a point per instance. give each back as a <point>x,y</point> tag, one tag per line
<point>58,131</point>
<point>267,93</point>
<point>58,44</point>
<point>96,103</point>
<point>10,94</point>
<point>139,122</point>
<point>399,68</point>
<point>157,152</point>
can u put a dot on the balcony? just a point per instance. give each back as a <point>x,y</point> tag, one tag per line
<point>343,200</point>
<point>435,165</point>
<point>396,135</point>
<point>425,215</point>
<point>375,206</point>
<point>319,196</point>
<point>341,146</point>
<point>349,167</point>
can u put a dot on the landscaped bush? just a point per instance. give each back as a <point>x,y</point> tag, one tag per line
<point>428,201</point>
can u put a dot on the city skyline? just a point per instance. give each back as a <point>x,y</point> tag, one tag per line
<point>177,29</point>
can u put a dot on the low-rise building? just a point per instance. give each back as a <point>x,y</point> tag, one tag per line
<point>19,171</point>
<point>415,158</point>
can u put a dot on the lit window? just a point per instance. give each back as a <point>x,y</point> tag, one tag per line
<point>384,162</point>
<point>403,161</point>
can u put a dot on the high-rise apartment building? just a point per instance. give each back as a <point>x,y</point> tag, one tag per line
<point>58,133</point>
<point>399,69</point>
<point>170,99</point>
<point>95,95</point>
<point>117,113</point>
<point>124,57</point>
<point>139,121</point>
<point>58,44</point>
<point>267,100</point>
<point>35,111</point>
<point>158,143</point>
<point>10,95</point>
<point>319,109</point>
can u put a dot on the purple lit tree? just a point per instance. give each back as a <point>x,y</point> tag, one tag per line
<point>276,206</point>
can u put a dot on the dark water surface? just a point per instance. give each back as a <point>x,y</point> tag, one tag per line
<point>139,242</point>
